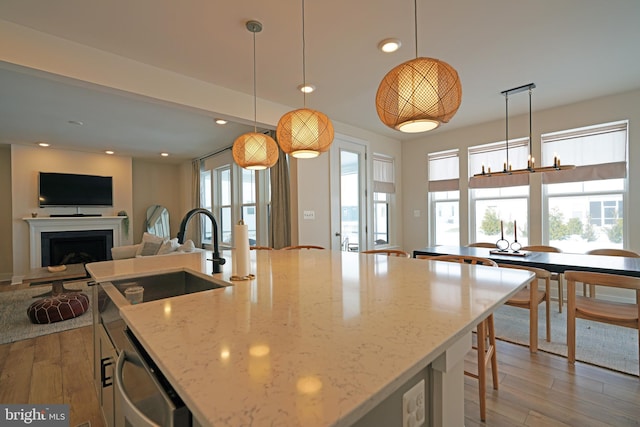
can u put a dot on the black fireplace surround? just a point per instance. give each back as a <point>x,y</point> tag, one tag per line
<point>75,247</point>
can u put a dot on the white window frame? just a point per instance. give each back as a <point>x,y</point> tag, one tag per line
<point>547,156</point>
<point>447,184</point>
<point>384,184</point>
<point>518,150</point>
<point>223,161</point>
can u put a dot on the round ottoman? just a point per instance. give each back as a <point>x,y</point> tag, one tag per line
<point>57,308</point>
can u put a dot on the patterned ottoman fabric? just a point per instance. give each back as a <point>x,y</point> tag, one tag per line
<point>57,308</point>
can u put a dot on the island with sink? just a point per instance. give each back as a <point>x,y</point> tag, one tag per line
<point>317,338</point>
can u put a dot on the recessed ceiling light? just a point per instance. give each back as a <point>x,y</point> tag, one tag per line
<point>164,154</point>
<point>109,152</point>
<point>221,121</point>
<point>306,88</point>
<point>43,144</point>
<point>75,122</point>
<point>389,45</point>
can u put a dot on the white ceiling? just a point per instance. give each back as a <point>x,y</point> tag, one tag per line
<point>571,49</point>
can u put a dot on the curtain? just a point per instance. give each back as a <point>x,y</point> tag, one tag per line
<point>598,152</point>
<point>383,174</point>
<point>196,227</point>
<point>494,157</point>
<point>280,201</point>
<point>444,171</point>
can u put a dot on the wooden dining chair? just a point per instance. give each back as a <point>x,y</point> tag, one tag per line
<point>388,252</point>
<point>462,259</point>
<point>530,299</point>
<point>599,310</point>
<point>485,331</point>
<point>610,252</point>
<point>482,245</point>
<point>260,248</point>
<point>556,277</point>
<point>289,248</point>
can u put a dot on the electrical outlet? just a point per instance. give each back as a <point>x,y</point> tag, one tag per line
<point>413,406</point>
<point>309,215</point>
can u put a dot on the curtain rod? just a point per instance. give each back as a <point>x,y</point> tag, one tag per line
<point>206,156</point>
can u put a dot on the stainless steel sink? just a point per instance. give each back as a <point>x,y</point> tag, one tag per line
<point>167,285</point>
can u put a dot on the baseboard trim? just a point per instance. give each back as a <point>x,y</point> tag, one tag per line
<point>16,280</point>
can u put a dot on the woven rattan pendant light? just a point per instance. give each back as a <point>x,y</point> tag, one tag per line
<point>254,150</point>
<point>304,133</point>
<point>420,94</point>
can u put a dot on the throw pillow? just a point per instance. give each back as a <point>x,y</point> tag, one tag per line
<point>150,245</point>
<point>187,246</point>
<point>169,246</point>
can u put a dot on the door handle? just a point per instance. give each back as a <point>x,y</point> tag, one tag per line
<point>338,234</point>
<point>106,381</point>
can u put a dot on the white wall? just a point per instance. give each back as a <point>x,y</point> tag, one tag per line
<point>26,162</point>
<point>312,185</point>
<point>601,110</point>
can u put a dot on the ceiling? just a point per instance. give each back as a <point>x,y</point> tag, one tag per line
<point>572,50</point>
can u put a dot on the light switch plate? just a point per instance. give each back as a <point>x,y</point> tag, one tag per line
<point>416,213</point>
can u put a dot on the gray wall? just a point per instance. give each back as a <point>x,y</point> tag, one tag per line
<point>6,251</point>
<point>155,183</point>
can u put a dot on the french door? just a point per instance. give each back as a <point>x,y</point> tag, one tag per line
<point>348,195</point>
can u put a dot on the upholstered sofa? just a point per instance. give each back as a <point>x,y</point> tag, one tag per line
<point>151,245</point>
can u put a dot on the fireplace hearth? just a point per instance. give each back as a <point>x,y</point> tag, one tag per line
<point>76,247</point>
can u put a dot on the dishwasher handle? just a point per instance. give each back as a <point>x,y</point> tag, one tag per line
<point>129,409</point>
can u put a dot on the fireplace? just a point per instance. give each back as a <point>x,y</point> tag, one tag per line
<point>40,225</point>
<point>76,247</point>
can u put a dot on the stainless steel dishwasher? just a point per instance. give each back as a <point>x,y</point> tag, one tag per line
<point>147,398</point>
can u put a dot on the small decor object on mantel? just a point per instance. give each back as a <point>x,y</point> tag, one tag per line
<point>125,222</point>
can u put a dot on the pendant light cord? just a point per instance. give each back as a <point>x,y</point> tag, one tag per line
<point>415,23</point>
<point>304,65</point>
<point>255,97</point>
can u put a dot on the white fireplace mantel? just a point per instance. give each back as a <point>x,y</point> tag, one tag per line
<point>38,225</point>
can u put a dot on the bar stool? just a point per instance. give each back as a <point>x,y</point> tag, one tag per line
<point>485,332</point>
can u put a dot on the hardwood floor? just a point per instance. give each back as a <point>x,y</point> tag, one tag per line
<point>535,390</point>
<point>545,390</point>
<point>52,369</point>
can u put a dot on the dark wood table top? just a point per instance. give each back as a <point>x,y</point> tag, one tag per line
<point>551,261</point>
<point>42,275</point>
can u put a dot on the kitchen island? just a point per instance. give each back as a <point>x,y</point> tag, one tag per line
<point>318,338</point>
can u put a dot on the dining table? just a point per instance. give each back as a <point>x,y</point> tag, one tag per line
<point>556,262</point>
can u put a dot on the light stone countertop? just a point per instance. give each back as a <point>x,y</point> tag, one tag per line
<point>318,338</point>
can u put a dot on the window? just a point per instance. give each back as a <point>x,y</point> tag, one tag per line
<point>249,211</point>
<point>499,203</point>
<point>383,190</point>
<point>232,194</point>
<point>444,197</point>
<point>585,205</point>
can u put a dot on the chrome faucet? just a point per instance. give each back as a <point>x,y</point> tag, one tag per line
<point>217,260</point>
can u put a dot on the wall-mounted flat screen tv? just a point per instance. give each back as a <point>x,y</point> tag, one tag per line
<point>65,189</point>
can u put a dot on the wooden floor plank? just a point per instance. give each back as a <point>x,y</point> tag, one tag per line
<point>77,378</point>
<point>15,380</point>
